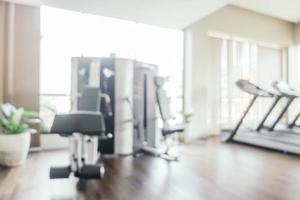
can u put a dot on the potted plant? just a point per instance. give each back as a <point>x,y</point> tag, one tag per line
<point>14,135</point>
<point>186,118</point>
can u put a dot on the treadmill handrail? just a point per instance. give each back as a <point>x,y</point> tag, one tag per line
<point>256,91</point>
<point>285,89</point>
<point>253,89</point>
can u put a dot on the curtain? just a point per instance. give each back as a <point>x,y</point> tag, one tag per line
<point>258,64</point>
<point>217,47</point>
<point>20,56</point>
<point>270,68</point>
<point>238,61</point>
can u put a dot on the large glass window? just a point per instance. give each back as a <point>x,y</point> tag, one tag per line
<point>250,61</point>
<point>238,61</point>
<point>67,34</point>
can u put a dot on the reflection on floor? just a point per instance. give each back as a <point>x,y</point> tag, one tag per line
<point>207,169</point>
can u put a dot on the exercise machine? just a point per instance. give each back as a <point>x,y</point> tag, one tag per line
<point>290,94</point>
<point>130,87</point>
<point>133,93</point>
<point>284,92</point>
<point>256,92</point>
<point>277,140</point>
<point>84,129</point>
<point>169,127</point>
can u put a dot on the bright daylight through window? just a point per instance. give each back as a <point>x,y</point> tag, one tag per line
<point>67,34</point>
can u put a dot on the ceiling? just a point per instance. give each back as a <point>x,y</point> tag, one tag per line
<point>176,14</point>
<point>288,10</point>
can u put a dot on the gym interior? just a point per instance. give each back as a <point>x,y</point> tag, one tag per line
<point>169,100</point>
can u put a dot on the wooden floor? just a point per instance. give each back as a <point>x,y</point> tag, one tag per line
<point>207,169</point>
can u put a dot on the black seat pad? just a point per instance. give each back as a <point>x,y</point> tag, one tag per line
<point>174,129</point>
<point>87,123</point>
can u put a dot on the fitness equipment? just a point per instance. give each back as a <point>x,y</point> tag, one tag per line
<point>130,87</point>
<point>133,93</point>
<point>256,92</point>
<point>84,130</point>
<point>169,128</point>
<point>278,140</point>
<point>286,91</point>
<point>141,127</point>
<point>146,136</point>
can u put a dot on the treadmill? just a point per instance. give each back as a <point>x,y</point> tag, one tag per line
<point>290,94</point>
<point>276,140</point>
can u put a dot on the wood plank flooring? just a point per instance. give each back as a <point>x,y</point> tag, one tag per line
<point>207,169</point>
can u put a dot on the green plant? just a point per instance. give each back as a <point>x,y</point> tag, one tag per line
<point>14,120</point>
<point>186,117</point>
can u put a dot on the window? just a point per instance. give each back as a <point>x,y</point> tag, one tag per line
<point>67,34</point>
<point>240,59</point>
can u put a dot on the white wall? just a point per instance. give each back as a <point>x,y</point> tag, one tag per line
<point>297,33</point>
<point>201,87</point>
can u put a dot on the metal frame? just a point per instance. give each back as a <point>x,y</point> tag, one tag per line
<point>283,111</point>
<point>83,150</point>
<point>261,124</point>
<point>83,159</point>
<point>235,130</point>
<point>293,124</point>
<point>256,92</point>
<point>276,140</point>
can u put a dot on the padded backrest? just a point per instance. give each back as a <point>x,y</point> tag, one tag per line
<point>90,99</point>
<point>93,100</point>
<point>88,123</point>
<point>163,104</point>
<point>250,88</point>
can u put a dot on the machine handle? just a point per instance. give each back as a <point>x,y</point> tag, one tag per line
<point>105,136</point>
<point>107,104</point>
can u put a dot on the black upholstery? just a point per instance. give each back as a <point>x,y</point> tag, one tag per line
<point>93,100</point>
<point>90,99</point>
<point>173,129</point>
<point>87,123</point>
